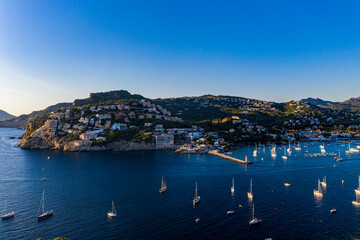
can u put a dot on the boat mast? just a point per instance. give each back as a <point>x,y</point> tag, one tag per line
<point>43,205</point>
<point>233,183</point>
<point>251,186</point>
<point>196,190</point>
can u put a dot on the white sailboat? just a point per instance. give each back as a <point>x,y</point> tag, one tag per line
<point>273,152</point>
<point>44,214</point>
<point>6,214</point>
<point>284,157</point>
<point>196,199</point>
<point>322,148</point>
<point>318,192</point>
<point>298,147</point>
<point>338,158</point>
<point>289,149</point>
<point>349,151</point>
<point>357,201</point>
<point>163,187</point>
<point>233,187</point>
<point>253,219</point>
<point>112,213</point>
<point>250,193</point>
<point>357,190</point>
<point>323,183</point>
<point>255,152</point>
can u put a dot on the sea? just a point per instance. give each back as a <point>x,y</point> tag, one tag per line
<point>80,187</point>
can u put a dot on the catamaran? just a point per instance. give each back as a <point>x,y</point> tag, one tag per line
<point>233,187</point>
<point>7,214</point>
<point>250,193</point>
<point>323,183</point>
<point>318,192</point>
<point>196,199</point>
<point>357,190</point>
<point>112,213</point>
<point>44,214</point>
<point>284,157</point>
<point>163,187</point>
<point>253,219</point>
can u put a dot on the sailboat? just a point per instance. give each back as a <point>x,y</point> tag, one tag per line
<point>233,187</point>
<point>255,152</point>
<point>163,187</point>
<point>289,149</point>
<point>338,158</point>
<point>250,193</point>
<point>357,201</point>
<point>349,151</point>
<point>323,183</point>
<point>196,197</point>
<point>357,190</point>
<point>284,157</point>
<point>112,213</point>
<point>273,152</point>
<point>44,214</point>
<point>322,148</point>
<point>253,219</point>
<point>318,192</point>
<point>298,147</point>
<point>7,214</point>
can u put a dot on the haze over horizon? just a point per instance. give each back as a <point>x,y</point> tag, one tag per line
<point>57,51</point>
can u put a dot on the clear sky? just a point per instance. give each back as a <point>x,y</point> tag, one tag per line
<point>56,51</point>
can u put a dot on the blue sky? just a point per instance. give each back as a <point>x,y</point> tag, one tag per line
<point>56,51</point>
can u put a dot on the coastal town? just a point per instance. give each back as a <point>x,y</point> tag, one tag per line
<point>189,124</point>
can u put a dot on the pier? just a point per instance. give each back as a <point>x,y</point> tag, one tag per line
<point>215,153</point>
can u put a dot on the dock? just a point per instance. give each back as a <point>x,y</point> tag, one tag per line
<point>215,153</point>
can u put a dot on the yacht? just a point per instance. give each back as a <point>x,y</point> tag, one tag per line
<point>298,147</point>
<point>318,192</point>
<point>284,157</point>
<point>338,158</point>
<point>163,187</point>
<point>357,201</point>
<point>44,214</point>
<point>230,212</point>
<point>287,184</point>
<point>112,213</point>
<point>253,219</point>
<point>323,183</point>
<point>289,149</point>
<point>273,152</point>
<point>196,199</point>
<point>333,210</point>
<point>255,152</point>
<point>357,190</point>
<point>7,214</point>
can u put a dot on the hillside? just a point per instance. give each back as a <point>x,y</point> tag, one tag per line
<point>4,115</point>
<point>135,123</point>
<point>22,120</point>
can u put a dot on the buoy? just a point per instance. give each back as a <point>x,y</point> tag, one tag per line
<point>275,209</point>
<point>342,182</point>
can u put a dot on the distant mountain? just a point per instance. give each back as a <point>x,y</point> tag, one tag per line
<point>107,96</point>
<point>352,101</point>
<point>351,105</point>
<point>4,115</point>
<point>22,120</point>
<point>319,102</point>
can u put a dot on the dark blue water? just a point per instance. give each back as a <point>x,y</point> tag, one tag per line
<point>81,186</point>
